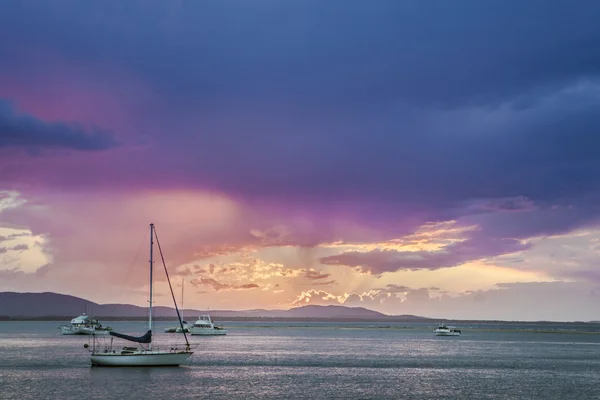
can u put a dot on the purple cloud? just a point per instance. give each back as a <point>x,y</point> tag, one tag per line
<point>347,129</point>
<point>327,283</point>
<point>11,274</point>
<point>217,286</point>
<point>341,135</point>
<point>314,275</point>
<point>380,261</point>
<point>393,288</point>
<point>26,131</point>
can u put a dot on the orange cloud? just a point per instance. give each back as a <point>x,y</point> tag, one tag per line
<point>221,286</point>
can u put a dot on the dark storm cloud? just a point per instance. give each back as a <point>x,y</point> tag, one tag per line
<point>514,204</point>
<point>359,52</point>
<point>314,275</point>
<point>25,131</point>
<point>20,247</point>
<point>411,109</point>
<point>318,283</point>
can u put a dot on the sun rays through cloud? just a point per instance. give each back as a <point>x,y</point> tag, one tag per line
<point>312,166</point>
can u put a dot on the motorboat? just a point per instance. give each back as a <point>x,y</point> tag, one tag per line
<point>445,330</point>
<point>84,325</point>
<point>145,354</point>
<point>205,326</point>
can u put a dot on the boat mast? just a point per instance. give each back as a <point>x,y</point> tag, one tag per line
<point>182,308</point>
<point>162,257</point>
<point>151,265</point>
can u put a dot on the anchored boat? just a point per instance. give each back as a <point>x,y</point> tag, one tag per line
<point>186,325</point>
<point>84,325</point>
<point>205,326</point>
<point>445,330</point>
<point>145,354</point>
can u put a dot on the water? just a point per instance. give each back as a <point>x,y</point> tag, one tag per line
<point>291,360</point>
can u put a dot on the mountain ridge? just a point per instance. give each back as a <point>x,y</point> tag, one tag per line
<point>44,306</point>
<point>27,305</point>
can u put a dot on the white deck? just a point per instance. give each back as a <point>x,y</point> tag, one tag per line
<point>208,331</point>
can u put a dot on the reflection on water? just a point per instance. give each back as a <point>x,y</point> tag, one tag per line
<point>315,360</point>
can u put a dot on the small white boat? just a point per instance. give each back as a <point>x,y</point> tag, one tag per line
<point>142,356</point>
<point>177,329</point>
<point>205,326</point>
<point>445,330</point>
<point>186,325</point>
<point>84,325</point>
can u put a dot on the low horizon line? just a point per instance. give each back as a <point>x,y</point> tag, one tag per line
<point>382,318</point>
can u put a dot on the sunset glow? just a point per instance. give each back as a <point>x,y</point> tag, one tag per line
<point>282,169</point>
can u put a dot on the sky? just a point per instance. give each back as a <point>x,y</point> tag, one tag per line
<point>432,158</point>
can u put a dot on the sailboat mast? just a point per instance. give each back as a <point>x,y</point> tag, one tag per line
<point>151,268</point>
<point>182,308</point>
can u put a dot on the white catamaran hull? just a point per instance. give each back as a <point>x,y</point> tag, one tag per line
<point>67,330</point>
<point>141,359</point>
<point>176,330</point>
<point>208,332</point>
<point>447,333</point>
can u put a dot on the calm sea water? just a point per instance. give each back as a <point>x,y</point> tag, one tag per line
<point>313,360</point>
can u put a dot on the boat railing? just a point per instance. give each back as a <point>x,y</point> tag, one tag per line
<point>98,348</point>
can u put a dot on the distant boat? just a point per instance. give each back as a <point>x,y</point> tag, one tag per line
<point>84,325</point>
<point>205,326</point>
<point>445,330</point>
<point>141,356</point>
<point>178,329</point>
<point>186,325</point>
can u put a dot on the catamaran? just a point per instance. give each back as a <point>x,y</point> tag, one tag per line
<point>142,356</point>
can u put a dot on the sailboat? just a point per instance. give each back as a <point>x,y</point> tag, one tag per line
<point>186,325</point>
<point>142,356</point>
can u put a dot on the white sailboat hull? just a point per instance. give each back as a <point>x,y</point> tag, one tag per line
<point>139,356</point>
<point>141,359</point>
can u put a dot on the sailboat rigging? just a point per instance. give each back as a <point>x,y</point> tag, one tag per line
<point>186,327</point>
<point>141,356</point>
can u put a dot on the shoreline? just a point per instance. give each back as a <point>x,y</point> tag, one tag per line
<point>222,319</point>
<point>542,327</point>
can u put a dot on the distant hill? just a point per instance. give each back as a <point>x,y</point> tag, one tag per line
<point>47,305</point>
<point>333,312</point>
